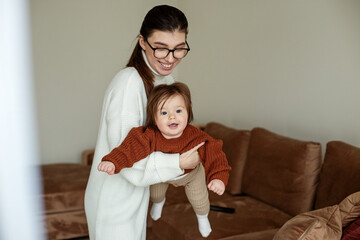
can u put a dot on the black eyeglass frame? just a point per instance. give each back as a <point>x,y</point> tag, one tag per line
<point>170,50</point>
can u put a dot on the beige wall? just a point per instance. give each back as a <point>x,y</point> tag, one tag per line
<point>292,67</point>
<point>78,46</point>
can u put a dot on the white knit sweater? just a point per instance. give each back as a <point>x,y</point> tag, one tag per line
<point>116,206</point>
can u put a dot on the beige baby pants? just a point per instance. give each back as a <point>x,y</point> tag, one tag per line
<point>195,189</point>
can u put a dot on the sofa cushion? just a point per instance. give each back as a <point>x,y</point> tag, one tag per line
<point>176,195</point>
<point>350,208</point>
<point>64,186</point>
<point>282,171</point>
<point>235,147</point>
<point>178,221</point>
<point>63,197</point>
<point>352,231</point>
<point>260,235</point>
<point>323,223</point>
<point>339,175</point>
<point>66,225</point>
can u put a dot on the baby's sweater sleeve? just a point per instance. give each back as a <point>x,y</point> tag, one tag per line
<point>215,162</point>
<point>138,144</point>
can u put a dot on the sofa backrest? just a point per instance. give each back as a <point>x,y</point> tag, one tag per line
<point>281,171</point>
<point>235,147</point>
<point>340,174</point>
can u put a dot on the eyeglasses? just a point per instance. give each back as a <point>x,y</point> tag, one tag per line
<point>161,53</point>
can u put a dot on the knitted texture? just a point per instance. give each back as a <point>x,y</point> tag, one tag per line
<point>124,107</point>
<point>195,189</point>
<point>141,142</point>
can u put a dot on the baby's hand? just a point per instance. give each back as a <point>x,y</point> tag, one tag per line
<point>107,166</point>
<point>217,186</point>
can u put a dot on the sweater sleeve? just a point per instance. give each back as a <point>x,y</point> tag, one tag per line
<point>138,144</point>
<point>215,162</point>
<point>124,110</point>
<point>157,167</point>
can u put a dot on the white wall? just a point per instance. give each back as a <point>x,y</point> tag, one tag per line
<point>292,67</point>
<point>78,47</point>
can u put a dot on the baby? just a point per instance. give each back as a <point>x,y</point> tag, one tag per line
<point>167,130</point>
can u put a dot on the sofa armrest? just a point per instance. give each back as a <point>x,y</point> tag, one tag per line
<point>87,157</point>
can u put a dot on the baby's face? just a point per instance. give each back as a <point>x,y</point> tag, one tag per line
<point>171,118</point>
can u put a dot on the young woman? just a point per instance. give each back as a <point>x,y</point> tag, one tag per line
<point>116,205</point>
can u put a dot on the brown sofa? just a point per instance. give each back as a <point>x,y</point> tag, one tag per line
<point>274,181</point>
<point>63,197</point>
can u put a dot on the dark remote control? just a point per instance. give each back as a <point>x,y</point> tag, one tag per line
<point>222,209</point>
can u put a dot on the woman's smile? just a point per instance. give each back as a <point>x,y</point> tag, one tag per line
<point>167,40</point>
<point>166,66</point>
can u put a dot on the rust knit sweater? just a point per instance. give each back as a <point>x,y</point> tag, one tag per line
<point>141,142</point>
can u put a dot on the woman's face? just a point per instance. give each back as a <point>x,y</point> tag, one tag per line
<point>163,39</point>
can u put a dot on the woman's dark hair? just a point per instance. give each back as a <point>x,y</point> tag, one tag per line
<point>160,94</point>
<point>163,18</point>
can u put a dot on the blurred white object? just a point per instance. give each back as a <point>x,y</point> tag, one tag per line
<point>20,213</point>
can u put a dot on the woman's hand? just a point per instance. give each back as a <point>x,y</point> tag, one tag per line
<point>107,167</point>
<point>217,186</point>
<point>190,159</point>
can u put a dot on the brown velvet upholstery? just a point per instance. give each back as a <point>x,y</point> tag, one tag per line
<point>235,147</point>
<point>260,235</point>
<point>281,171</point>
<point>63,196</point>
<point>340,174</point>
<point>318,224</point>
<point>179,220</point>
<point>66,225</point>
<point>87,157</point>
<point>323,223</point>
<point>350,208</point>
